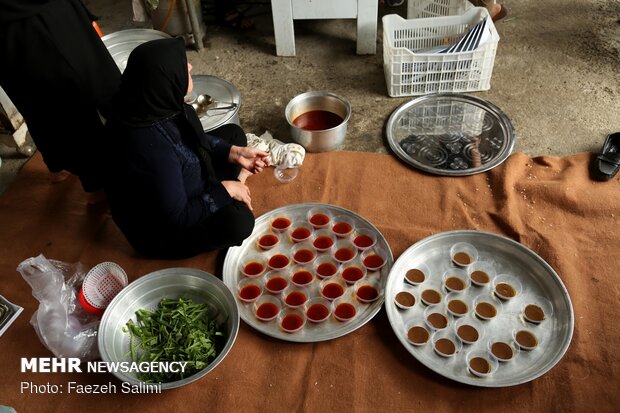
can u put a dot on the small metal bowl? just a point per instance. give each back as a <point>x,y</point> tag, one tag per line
<point>146,292</point>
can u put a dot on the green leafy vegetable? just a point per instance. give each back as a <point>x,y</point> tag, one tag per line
<point>178,330</point>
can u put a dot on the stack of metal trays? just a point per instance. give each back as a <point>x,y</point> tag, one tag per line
<point>120,44</point>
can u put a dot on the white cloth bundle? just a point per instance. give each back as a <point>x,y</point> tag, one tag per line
<point>290,155</point>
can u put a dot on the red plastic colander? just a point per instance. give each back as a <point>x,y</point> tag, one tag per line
<point>100,286</point>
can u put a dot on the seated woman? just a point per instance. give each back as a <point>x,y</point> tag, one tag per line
<point>173,190</point>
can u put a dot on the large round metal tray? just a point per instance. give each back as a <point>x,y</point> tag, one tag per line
<point>450,134</point>
<point>507,256</point>
<point>222,92</point>
<point>329,329</point>
<point>120,44</point>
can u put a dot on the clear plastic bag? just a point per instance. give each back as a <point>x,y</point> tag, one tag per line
<point>62,325</point>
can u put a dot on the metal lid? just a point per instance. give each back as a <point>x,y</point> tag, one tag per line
<point>222,92</point>
<point>120,44</point>
<point>450,134</point>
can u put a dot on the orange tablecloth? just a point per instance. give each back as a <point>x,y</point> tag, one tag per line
<point>548,204</point>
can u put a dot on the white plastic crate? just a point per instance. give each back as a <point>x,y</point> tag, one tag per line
<point>417,9</point>
<point>409,73</point>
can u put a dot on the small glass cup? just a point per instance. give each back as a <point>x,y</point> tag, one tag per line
<point>417,274</point>
<point>281,222</point>
<point>463,254</point>
<point>480,363</point>
<point>342,226</point>
<point>446,343</point>
<point>504,349</point>
<point>302,275</point>
<point>275,282</point>
<point>249,289</point>
<point>469,330</point>
<point>344,309</point>
<point>526,339</point>
<point>319,217</point>
<point>364,238</point>
<point>353,272</point>
<point>291,320</point>
<point>285,174</point>
<point>332,288</point>
<point>431,294</point>
<point>318,309</point>
<point>418,333</point>
<point>303,253</point>
<point>506,286</point>
<point>481,273</point>
<point>367,291</point>
<point>455,280</point>
<point>487,307</point>
<point>323,240</point>
<point>436,317</point>
<point>295,297</point>
<point>253,265</point>
<point>325,266</point>
<point>405,300</point>
<point>300,231</point>
<point>536,309</point>
<point>457,304</point>
<point>344,251</point>
<point>374,259</point>
<point>267,308</point>
<point>268,240</point>
<point>278,260</point>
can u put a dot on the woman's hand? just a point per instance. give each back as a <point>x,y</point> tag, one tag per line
<point>238,191</point>
<point>252,159</point>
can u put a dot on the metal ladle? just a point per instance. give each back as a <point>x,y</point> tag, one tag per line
<point>206,100</point>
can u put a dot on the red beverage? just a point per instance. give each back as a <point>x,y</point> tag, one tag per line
<point>373,261</point>
<point>300,234</point>
<point>344,254</point>
<point>303,256</point>
<point>267,311</point>
<point>296,298</point>
<point>268,240</point>
<point>278,261</point>
<point>317,120</point>
<point>362,241</point>
<point>292,322</point>
<point>276,284</point>
<point>253,268</point>
<point>367,293</point>
<point>352,274</point>
<point>302,277</point>
<point>323,243</point>
<point>345,311</point>
<point>327,269</point>
<point>281,223</point>
<point>317,312</point>
<point>332,291</point>
<point>342,228</point>
<point>249,292</point>
<point>319,220</point>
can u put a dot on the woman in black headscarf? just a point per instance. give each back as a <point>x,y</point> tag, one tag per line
<point>59,74</point>
<point>173,190</point>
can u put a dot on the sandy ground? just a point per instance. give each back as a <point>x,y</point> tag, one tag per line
<point>556,72</point>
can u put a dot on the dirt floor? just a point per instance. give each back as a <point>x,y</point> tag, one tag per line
<point>555,75</point>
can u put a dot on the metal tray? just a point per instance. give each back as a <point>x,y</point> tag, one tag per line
<point>120,44</point>
<point>450,134</point>
<point>508,257</point>
<point>221,91</point>
<point>329,329</point>
<point>8,313</point>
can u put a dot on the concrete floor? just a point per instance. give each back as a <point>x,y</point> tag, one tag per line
<point>556,73</point>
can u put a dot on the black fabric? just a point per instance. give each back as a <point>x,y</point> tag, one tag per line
<point>11,10</point>
<point>58,74</point>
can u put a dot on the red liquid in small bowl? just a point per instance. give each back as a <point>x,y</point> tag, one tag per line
<point>292,322</point>
<point>253,268</point>
<point>278,261</point>
<point>303,256</point>
<point>373,261</point>
<point>281,223</point>
<point>323,243</point>
<point>249,292</point>
<point>268,240</point>
<point>276,284</point>
<point>362,241</point>
<point>367,293</point>
<point>344,254</point>
<point>327,269</point>
<point>267,311</point>
<point>302,277</point>
<point>319,220</point>
<point>342,228</point>
<point>345,311</point>
<point>317,312</point>
<point>296,298</point>
<point>352,274</point>
<point>332,291</point>
<point>300,234</point>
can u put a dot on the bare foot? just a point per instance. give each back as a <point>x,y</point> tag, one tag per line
<point>95,197</point>
<point>243,175</point>
<point>60,176</point>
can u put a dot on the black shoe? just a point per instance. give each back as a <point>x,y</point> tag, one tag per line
<point>606,165</point>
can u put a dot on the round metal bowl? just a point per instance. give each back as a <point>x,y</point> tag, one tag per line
<point>146,292</point>
<point>318,140</point>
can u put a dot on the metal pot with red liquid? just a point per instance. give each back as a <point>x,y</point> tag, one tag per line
<point>318,120</point>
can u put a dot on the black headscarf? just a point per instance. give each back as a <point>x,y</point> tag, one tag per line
<point>153,86</point>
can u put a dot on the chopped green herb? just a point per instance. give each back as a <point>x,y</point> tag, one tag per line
<point>178,330</point>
